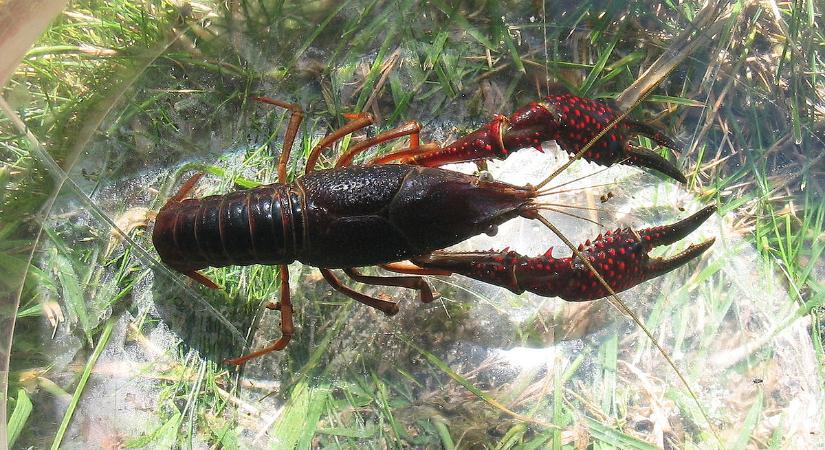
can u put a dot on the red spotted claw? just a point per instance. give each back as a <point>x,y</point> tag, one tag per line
<point>570,120</point>
<point>621,258</point>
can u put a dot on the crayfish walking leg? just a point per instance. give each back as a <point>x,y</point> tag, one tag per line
<point>410,129</point>
<point>170,227</point>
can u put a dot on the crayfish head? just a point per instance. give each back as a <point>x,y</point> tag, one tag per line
<point>530,210</point>
<point>436,208</point>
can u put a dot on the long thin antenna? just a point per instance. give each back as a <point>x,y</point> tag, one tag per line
<point>564,205</point>
<point>545,207</point>
<point>553,191</point>
<point>553,188</point>
<point>622,307</point>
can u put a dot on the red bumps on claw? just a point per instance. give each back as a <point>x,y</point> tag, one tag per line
<point>575,131</point>
<point>621,259</point>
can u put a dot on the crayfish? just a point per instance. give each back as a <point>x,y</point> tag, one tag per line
<point>404,207</point>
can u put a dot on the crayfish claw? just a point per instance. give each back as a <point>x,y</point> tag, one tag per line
<point>644,157</point>
<point>669,234</point>
<point>647,158</point>
<point>656,135</point>
<point>621,257</point>
<point>660,266</point>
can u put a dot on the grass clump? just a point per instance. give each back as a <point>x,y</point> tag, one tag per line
<point>123,98</point>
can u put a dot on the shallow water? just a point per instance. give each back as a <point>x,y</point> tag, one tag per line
<point>480,365</point>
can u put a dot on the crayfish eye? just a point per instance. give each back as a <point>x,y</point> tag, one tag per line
<point>492,230</point>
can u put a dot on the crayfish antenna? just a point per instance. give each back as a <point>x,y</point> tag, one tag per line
<point>689,223</point>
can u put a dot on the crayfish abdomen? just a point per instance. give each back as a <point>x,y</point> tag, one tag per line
<point>254,226</point>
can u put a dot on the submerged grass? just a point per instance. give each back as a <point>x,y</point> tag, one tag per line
<point>128,96</point>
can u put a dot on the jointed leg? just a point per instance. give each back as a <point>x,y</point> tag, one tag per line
<point>408,155</point>
<point>287,328</point>
<point>291,131</point>
<point>417,283</point>
<point>411,129</point>
<point>359,121</point>
<point>412,269</point>
<point>185,188</point>
<point>387,307</point>
<point>200,278</point>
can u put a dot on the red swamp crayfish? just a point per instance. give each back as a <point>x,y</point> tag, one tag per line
<point>382,214</point>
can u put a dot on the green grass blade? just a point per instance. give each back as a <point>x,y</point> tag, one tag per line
<point>164,435</point>
<point>511,47</point>
<point>84,378</point>
<point>444,434</point>
<point>594,74</point>
<point>19,417</point>
<point>433,52</point>
<point>318,30</point>
<point>513,436</point>
<point>461,22</point>
<point>751,420</point>
<point>609,435</point>
<point>73,297</point>
<point>299,418</point>
<point>776,437</point>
